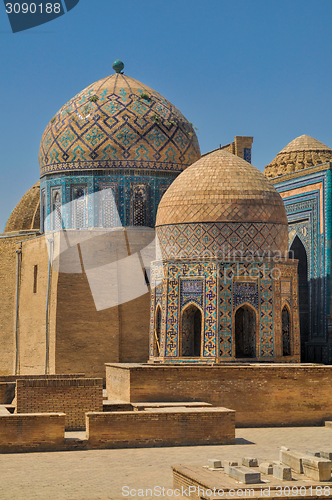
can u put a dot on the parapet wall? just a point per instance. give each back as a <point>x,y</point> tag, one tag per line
<point>32,432</point>
<point>262,395</point>
<point>8,384</point>
<point>13,378</point>
<point>73,397</point>
<point>161,427</point>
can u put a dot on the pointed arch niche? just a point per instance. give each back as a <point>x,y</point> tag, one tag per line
<point>245,326</point>
<point>286,331</point>
<point>298,251</point>
<point>157,332</point>
<point>191,331</point>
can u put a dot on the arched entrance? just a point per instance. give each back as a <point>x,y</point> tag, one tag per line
<point>286,332</point>
<point>157,331</point>
<point>298,251</point>
<point>245,332</point>
<point>191,331</point>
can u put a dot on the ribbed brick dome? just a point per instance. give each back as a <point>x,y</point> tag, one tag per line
<point>302,152</point>
<point>26,214</point>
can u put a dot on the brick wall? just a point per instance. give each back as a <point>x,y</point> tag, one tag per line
<point>86,339</point>
<point>73,397</point>
<point>163,427</point>
<point>8,384</point>
<point>13,378</point>
<point>20,433</point>
<point>32,306</point>
<point>262,395</point>
<point>7,303</point>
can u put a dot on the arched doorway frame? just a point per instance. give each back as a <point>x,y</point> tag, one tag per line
<point>285,304</point>
<point>257,336</point>
<point>304,309</point>
<point>191,303</point>
<point>156,340</point>
<point>307,250</point>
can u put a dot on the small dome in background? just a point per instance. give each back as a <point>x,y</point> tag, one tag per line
<point>302,152</point>
<point>26,214</point>
<point>221,187</point>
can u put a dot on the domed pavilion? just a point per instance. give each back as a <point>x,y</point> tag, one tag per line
<point>223,286</point>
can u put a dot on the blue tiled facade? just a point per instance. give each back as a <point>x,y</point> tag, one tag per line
<point>219,289</point>
<point>66,189</point>
<point>307,197</point>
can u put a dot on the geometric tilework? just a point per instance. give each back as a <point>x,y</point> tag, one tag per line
<point>245,292</point>
<point>266,317</point>
<point>221,240</point>
<point>307,199</point>
<point>198,283</point>
<point>225,306</point>
<point>192,291</point>
<point>228,285</point>
<point>126,125</point>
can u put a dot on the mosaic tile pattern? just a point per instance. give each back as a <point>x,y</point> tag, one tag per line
<point>226,289</point>
<point>311,222</point>
<point>245,292</point>
<point>220,239</point>
<point>192,291</point>
<point>118,122</point>
<point>177,274</point>
<point>221,187</point>
<point>226,313</point>
<point>266,317</point>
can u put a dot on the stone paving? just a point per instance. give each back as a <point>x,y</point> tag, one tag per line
<point>101,474</point>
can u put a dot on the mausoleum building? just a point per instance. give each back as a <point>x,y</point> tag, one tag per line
<point>301,173</point>
<point>223,285</point>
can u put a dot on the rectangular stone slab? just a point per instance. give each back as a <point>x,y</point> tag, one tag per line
<point>227,464</point>
<point>318,469</point>
<point>214,463</point>
<point>326,454</point>
<point>292,459</point>
<point>244,475</point>
<point>250,462</point>
<point>282,472</point>
<point>266,468</point>
<point>313,453</point>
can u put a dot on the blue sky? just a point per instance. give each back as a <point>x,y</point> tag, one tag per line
<point>240,67</point>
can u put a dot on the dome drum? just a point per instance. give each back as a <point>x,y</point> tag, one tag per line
<point>221,205</point>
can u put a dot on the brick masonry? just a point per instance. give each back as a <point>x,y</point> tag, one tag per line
<point>8,384</point>
<point>161,427</point>
<point>80,338</point>
<point>255,392</point>
<point>33,432</point>
<point>73,397</point>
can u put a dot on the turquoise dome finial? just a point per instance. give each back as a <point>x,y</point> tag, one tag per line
<point>118,66</point>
